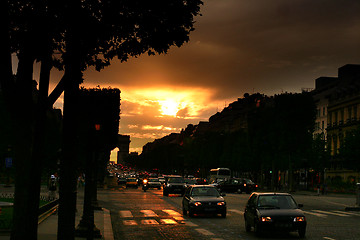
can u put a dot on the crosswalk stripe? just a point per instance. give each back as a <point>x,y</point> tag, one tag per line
<point>149,213</point>
<point>129,222</point>
<point>168,221</point>
<point>204,232</point>
<point>171,212</point>
<point>348,213</point>
<point>331,213</point>
<point>315,214</point>
<point>125,214</point>
<point>149,222</point>
<point>191,224</point>
<point>236,211</point>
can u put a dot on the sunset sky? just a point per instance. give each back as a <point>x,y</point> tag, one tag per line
<point>238,46</point>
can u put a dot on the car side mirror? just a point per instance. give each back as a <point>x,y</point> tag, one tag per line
<point>222,194</point>
<point>300,205</point>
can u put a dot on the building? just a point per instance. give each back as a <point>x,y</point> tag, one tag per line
<point>324,87</point>
<point>338,113</point>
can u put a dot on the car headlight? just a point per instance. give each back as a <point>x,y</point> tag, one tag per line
<point>299,219</point>
<point>168,185</point>
<point>197,204</point>
<point>265,219</point>
<point>221,203</point>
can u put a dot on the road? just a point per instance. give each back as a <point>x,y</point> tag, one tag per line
<point>149,215</point>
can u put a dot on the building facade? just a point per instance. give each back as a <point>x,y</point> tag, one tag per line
<point>338,103</point>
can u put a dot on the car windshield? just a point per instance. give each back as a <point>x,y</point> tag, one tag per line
<point>131,180</point>
<point>276,202</point>
<point>248,181</point>
<point>176,180</point>
<point>205,191</point>
<point>153,180</point>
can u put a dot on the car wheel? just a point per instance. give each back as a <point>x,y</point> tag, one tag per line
<point>191,213</point>
<point>247,226</point>
<point>302,232</point>
<point>165,193</point>
<point>257,229</point>
<point>223,214</point>
<point>184,211</point>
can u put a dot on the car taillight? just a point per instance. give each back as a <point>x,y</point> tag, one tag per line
<point>299,219</point>
<point>266,219</point>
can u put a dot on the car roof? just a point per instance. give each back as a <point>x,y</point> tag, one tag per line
<point>201,186</point>
<point>271,194</point>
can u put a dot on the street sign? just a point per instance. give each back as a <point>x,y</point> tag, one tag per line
<point>8,162</point>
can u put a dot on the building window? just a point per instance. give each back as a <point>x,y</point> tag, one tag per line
<point>324,111</point>
<point>322,125</point>
<point>335,118</point>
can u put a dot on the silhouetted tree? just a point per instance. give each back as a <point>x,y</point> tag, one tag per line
<point>82,34</point>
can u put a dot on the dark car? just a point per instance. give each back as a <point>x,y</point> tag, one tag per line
<point>174,185</point>
<point>274,212</point>
<point>203,199</point>
<point>154,183</point>
<point>190,181</point>
<point>131,183</point>
<point>238,185</point>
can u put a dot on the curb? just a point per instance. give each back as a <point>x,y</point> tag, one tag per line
<point>48,213</point>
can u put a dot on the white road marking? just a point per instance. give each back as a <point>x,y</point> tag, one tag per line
<point>328,238</point>
<point>149,222</point>
<point>331,213</point>
<point>125,214</point>
<point>179,218</point>
<point>191,224</point>
<point>204,232</point>
<point>168,221</point>
<point>348,213</point>
<point>315,214</point>
<point>108,231</point>
<point>129,222</point>
<point>236,211</point>
<point>149,213</point>
<point>171,212</point>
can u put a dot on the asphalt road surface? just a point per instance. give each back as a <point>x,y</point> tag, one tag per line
<point>150,215</point>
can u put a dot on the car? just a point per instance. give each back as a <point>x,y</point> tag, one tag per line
<point>203,199</point>
<point>131,182</point>
<point>154,183</point>
<point>238,185</point>
<point>121,180</point>
<point>274,212</point>
<point>174,185</point>
<point>190,181</point>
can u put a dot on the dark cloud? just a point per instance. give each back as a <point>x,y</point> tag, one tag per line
<point>243,46</point>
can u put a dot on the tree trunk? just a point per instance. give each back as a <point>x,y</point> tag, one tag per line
<point>68,163</point>
<point>25,203</point>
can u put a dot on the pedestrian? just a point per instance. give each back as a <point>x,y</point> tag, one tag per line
<point>52,187</point>
<point>318,189</point>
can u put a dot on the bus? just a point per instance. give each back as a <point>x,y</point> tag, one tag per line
<point>218,174</point>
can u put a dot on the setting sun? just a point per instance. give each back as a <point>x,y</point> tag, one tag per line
<point>169,107</point>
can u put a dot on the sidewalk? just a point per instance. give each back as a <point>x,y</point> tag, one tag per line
<point>47,230</point>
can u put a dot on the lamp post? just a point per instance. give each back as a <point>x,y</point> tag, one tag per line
<point>86,227</point>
